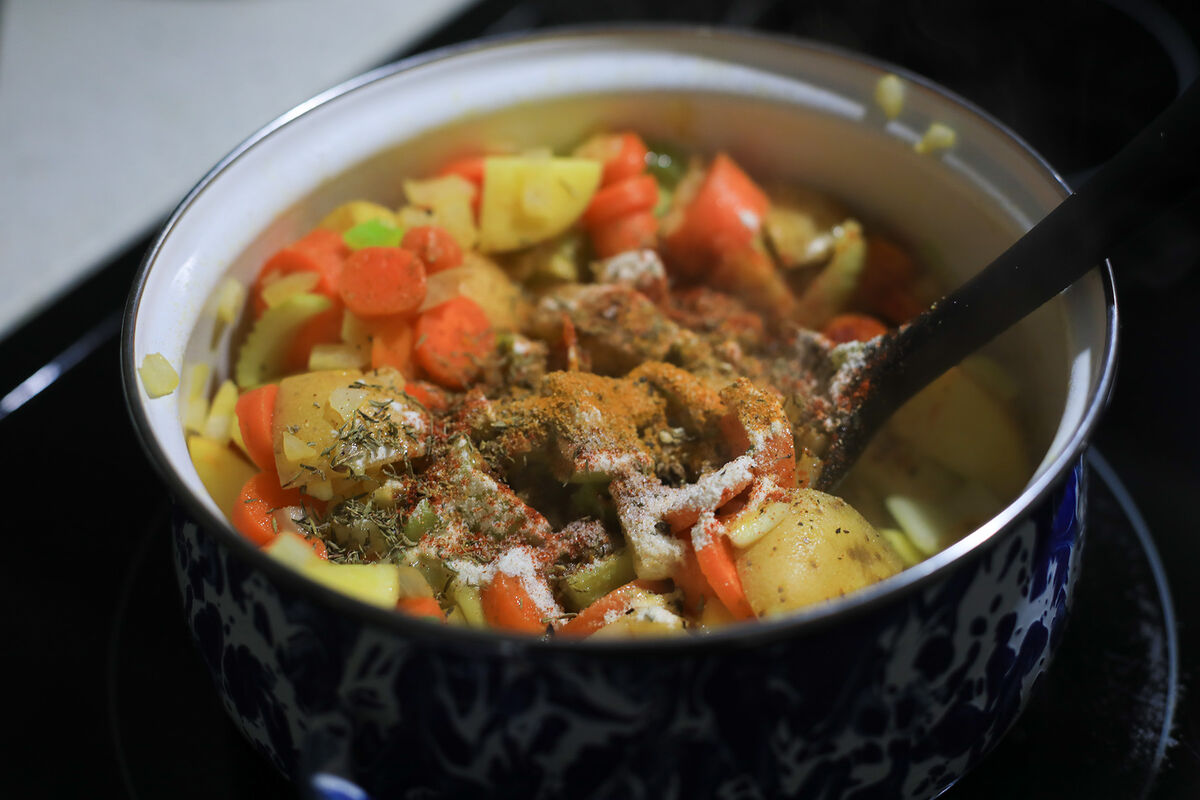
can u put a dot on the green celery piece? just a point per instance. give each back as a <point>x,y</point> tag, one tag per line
<point>585,586</point>
<point>373,233</point>
<point>261,357</point>
<point>420,521</point>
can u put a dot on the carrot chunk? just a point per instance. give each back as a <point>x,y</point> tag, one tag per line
<point>632,232</point>
<point>622,198</point>
<point>853,328</point>
<point>452,340</point>
<point>255,415</point>
<point>377,281</point>
<point>722,218</point>
<point>323,328</point>
<point>259,497</point>
<point>507,605</point>
<point>715,557</point>
<point>623,154</point>
<point>434,246</point>
<point>601,611</point>
<point>321,251</point>
<point>392,344</point>
<point>421,607</point>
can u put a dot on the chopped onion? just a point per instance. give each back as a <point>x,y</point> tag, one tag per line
<point>442,286</point>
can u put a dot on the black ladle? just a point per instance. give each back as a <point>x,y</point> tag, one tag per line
<point>1155,171</point>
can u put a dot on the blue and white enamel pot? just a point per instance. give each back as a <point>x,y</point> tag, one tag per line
<point>894,691</point>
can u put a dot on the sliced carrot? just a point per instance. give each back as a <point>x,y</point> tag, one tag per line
<point>319,548</point>
<point>634,232</point>
<point>434,245</point>
<point>255,415</point>
<point>623,154</point>
<point>885,286</point>
<point>378,281</point>
<point>470,168</point>
<point>690,580</point>
<point>427,395</point>
<point>452,340</point>
<point>715,558</point>
<point>421,607</point>
<point>324,328</point>
<point>722,218</point>
<point>507,605</point>
<point>321,251</point>
<point>626,196</point>
<point>259,497</point>
<point>853,328</point>
<point>392,344</point>
<point>600,612</point>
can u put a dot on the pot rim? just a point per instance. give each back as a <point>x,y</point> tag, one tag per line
<point>763,631</point>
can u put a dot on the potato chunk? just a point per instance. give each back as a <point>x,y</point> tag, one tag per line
<point>822,548</point>
<point>333,430</point>
<point>529,200</point>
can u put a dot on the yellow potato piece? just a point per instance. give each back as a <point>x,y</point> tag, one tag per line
<point>159,378</point>
<point>377,584</point>
<point>962,427</point>
<point>222,471</point>
<point>821,549</point>
<point>356,212</point>
<point>529,200</point>
<point>444,201</point>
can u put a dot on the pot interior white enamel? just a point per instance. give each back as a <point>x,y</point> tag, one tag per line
<point>798,112</point>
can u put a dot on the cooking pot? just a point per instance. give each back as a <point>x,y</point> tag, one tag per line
<point>894,691</point>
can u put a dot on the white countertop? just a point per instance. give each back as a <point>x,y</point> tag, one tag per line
<point>110,110</point>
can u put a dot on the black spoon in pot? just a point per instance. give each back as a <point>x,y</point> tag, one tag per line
<point>1155,171</point>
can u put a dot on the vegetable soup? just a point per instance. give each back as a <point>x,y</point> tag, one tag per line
<point>581,395</point>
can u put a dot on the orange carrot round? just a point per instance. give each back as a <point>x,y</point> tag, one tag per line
<point>434,245</point>
<point>623,154</point>
<point>255,415</point>
<point>427,395</point>
<point>392,344</point>
<point>626,196</point>
<point>716,563</point>
<point>722,218</point>
<point>324,328</point>
<point>421,607</point>
<point>452,339</point>
<point>507,605</point>
<point>377,281</point>
<point>321,251</point>
<point>632,232</point>
<point>259,497</point>
<point>853,328</point>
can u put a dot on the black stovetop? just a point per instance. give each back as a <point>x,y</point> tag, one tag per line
<point>111,699</point>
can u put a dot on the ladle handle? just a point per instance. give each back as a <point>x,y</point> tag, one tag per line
<point>1148,176</point>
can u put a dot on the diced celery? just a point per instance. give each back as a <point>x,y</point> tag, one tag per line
<point>373,233</point>
<point>420,521</point>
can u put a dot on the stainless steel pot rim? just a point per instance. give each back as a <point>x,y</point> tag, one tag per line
<point>736,636</point>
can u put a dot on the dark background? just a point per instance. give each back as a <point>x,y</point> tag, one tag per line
<point>110,700</point>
